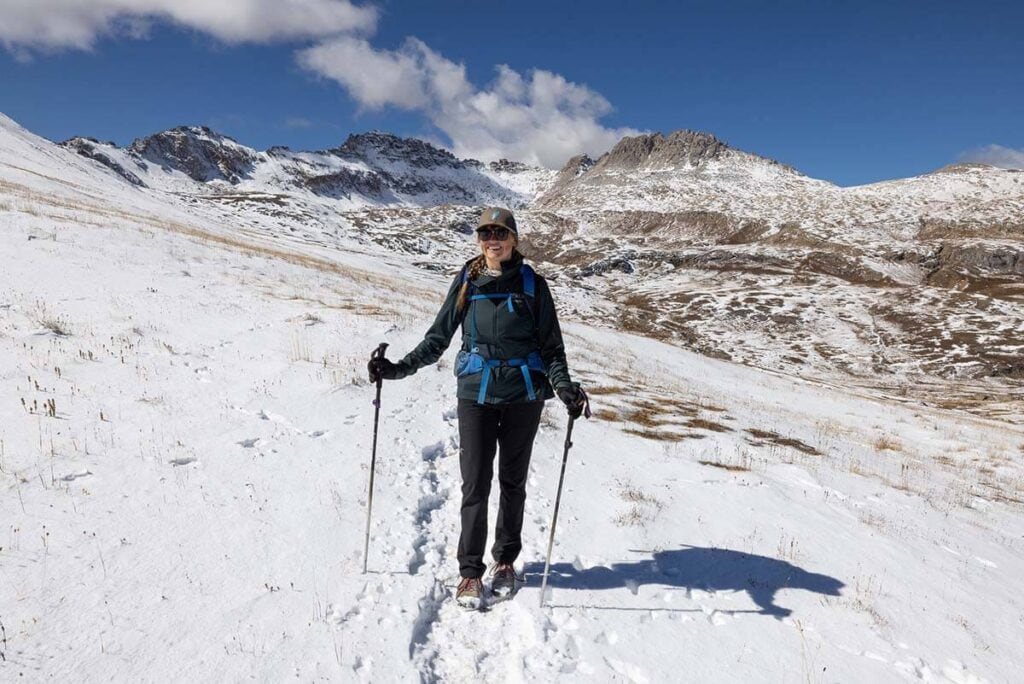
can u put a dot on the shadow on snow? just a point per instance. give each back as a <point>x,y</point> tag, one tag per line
<point>692,567</point>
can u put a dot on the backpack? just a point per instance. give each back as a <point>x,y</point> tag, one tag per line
<point>472,361</point>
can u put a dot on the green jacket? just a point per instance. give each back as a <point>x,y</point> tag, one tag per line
<point>501,334</point>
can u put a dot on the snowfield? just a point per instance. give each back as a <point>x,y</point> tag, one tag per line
<point>185,439</point>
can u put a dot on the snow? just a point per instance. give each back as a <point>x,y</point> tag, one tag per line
<point>191,504</point>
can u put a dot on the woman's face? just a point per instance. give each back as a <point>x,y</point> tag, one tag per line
<point>493,249</point>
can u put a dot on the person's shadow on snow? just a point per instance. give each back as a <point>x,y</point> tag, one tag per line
<point>692,567</point>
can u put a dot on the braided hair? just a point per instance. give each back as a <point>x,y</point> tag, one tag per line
<point>473,270</point>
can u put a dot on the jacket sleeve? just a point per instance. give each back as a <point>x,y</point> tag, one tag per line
<point>549,333</point>
<point>437,337</point>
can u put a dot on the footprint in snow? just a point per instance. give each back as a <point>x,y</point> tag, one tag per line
<point>183,461</point>
<point>249,443</point>
<point>716,617</point>
<point>71,477</point>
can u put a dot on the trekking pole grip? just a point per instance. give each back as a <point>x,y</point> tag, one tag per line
<point>376,354</point>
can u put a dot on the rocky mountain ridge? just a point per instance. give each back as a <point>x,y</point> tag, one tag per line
<point>367,169</point>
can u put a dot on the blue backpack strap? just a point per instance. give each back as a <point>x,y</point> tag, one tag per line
<point>528,280</point>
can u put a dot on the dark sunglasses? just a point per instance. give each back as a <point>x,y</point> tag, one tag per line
<point>500,234</point>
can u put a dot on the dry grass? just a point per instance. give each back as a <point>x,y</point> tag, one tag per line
<point>886,443</point>
<point>703,424</point>
<point>644,509</point>
<point>761,436</point>
<point>731,467</point>
<point>47,320</point>
<point>606,414</point>
<point>663,435</point>
<point>646,418</point>
<point>607,389</point>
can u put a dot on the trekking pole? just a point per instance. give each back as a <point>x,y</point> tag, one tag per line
<point>378,353</point>
<point>558,497</point>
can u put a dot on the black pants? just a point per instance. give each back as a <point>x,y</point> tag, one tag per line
<point>482,429</point>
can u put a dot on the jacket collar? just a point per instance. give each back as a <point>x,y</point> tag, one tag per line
<point>509,270</point>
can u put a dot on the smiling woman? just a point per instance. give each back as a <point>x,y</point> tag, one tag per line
<point>512,355</point>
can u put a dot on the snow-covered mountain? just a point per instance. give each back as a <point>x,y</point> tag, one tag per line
<point>913,286</point>
<point>910,287</point>
<point>185,440</point>
<point>367,170</point>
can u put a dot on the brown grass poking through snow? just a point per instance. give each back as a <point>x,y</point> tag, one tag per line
<point>710,425</point>
<point>731,467</point>
<point>776,438</point>
<point>886,443</point>
<point>606,414</point>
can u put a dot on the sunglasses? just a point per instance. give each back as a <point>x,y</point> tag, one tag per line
<point>500,234</point>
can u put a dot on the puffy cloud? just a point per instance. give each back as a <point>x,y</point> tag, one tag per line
<point>540,118</point>
<point>537,117</point>
<point>27,25</point>
<point>374,78</point>
<point>996,155</point>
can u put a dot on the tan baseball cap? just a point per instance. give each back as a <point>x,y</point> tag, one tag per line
<point>496,216</point>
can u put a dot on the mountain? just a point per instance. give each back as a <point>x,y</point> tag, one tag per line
<point>908,288</point>
<point>185,457</point>
<point>746,259</point>
<point>369,169</point>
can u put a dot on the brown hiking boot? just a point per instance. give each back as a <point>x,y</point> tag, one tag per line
<point>470,594</point>
<point>504,583</point>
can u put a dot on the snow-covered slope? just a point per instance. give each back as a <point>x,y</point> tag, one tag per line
<point>909,288</point>
<point>184,450</point>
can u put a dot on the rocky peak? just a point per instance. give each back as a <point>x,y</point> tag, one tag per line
<point>199,152</point>
<point>577,166</point>
<point>91,148</point>
<point>678,148</point>
<point>573,169</point>
<point>508,166</point>
<point>377,146</point>
<point>961,167</point>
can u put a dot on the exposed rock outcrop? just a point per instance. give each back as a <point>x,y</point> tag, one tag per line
<point>91,148</point>
<point>198,152</point>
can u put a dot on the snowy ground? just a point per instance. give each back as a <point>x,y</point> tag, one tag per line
<point>184,449</point>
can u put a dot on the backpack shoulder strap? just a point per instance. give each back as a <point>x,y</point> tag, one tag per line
<point>529,289</point>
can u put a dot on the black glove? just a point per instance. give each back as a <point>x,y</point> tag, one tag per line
<point>380,368</point>
<point>575,399</point>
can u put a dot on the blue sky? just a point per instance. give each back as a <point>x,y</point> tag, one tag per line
<point>848,91</point>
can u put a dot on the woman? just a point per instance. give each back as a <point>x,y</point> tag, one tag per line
<point>512,356</point>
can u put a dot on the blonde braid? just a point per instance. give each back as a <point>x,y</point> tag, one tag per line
<point>473,270</point>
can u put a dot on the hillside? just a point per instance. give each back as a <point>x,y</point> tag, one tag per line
<point>184,459</point>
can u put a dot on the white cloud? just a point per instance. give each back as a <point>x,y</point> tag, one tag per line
<point>374,78</point>
<point>996,155</point>
<point>27,25</point>
<point>537,117</point>
<point>540,118</point>
<point>297,122</point>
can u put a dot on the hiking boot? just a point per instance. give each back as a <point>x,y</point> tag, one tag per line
<point>504,583</point>
<point>470,594</point>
